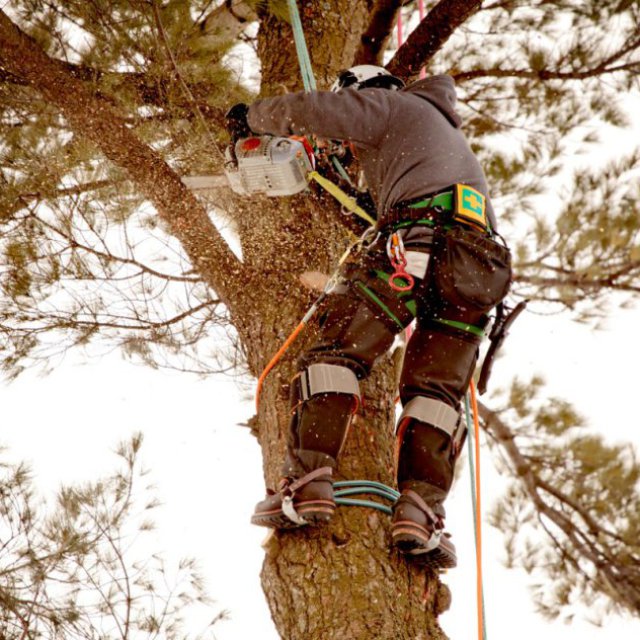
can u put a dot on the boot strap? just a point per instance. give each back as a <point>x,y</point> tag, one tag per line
<point>289,488</point>
<point>288,491</point>
<point>438,524</point>
<point>425,508</point>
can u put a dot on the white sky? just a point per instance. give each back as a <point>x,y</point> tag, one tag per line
<point>68,423</point>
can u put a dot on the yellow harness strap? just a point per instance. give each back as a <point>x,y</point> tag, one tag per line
<point>346,201</point>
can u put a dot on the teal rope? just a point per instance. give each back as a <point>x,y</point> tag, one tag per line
<point>306,70</point>
<point>392,493</point>
<point>301,47</point>
<point>358,487</point>
<point>472,473</point>
<point>341,170</point>
<point>349,502</point>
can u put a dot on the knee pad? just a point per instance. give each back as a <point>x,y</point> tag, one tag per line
<point>319,379</point>
<point>325,397</point>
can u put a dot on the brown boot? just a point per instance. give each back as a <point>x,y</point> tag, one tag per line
<point>298,502</point>
<point>417,531</point>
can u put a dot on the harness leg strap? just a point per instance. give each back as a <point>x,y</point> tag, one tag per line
<point>432,412</point>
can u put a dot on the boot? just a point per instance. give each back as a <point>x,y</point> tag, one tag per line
<point>417,530</point>
<point>304,501</point>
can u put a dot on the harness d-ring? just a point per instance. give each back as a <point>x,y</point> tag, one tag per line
<point>400,272</point>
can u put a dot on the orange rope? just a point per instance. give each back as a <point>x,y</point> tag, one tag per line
<point>274,361</point>
<point>476,429</point>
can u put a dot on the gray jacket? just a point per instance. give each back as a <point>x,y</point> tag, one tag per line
<point>408,142</point>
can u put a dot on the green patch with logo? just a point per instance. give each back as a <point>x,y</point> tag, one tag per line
<point>470,206</point>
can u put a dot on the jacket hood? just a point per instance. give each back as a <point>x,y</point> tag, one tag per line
<point>440,91</point>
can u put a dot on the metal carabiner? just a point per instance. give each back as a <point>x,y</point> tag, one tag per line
<point>395,251</point>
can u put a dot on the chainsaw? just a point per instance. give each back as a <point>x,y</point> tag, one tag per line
<point>274,166</point>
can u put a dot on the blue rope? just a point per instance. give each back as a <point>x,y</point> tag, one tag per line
<point>357,487</point>
<point>371,484</point>
<point>349,502</point>
<point>472,473</point>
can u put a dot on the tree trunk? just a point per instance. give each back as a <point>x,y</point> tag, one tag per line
<point>334,582</point>
<point>343,580</point>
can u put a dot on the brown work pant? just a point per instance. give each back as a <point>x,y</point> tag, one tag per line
<point>358,324</point>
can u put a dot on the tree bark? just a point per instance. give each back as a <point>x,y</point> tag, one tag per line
<point>333,582</point>
<point>431,34</point>
<point>343,580</point>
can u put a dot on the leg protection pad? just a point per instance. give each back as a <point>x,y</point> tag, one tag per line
<point>429,434</point>
<point>324,399</point>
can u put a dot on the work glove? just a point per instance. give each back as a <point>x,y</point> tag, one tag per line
<point>236,121</point>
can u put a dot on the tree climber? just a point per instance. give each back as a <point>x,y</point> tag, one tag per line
<point>435,257</point>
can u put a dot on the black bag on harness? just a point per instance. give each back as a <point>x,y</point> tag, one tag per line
<point>468,270</point>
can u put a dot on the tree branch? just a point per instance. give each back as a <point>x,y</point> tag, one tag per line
<point>587,544</point>
<point>579,282</point>
<point>543,74</point>
<point>430,36</point>
<point>96,120</point>
<point>374,40</point>
<point>152,92</point>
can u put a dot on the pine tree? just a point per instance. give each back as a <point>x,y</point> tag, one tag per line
<point>84,567</point>
<point>106,105</point>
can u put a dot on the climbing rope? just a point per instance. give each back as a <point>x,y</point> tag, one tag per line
<point>358,487</point>
<point>471,406</point>
<point>304,60</point>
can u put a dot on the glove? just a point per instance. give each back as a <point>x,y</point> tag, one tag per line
<point>236,121</point>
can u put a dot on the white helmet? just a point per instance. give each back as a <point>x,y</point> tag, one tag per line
<point>366,75</point>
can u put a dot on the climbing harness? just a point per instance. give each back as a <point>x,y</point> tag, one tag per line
<point>398,258</point>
